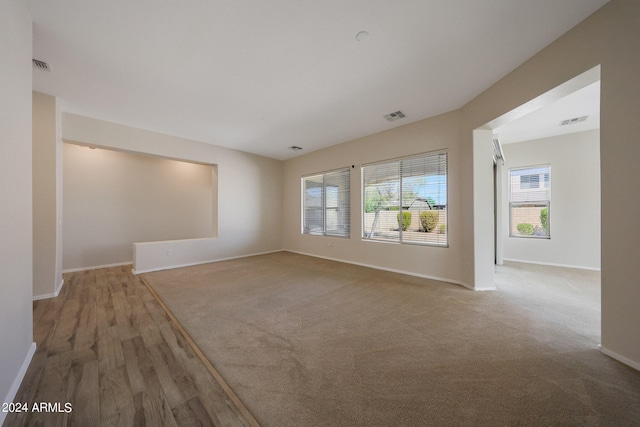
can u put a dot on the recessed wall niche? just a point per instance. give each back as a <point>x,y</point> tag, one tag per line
<point>112,199</point>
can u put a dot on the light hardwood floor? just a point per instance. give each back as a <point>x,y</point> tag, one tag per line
<point>107,347</point>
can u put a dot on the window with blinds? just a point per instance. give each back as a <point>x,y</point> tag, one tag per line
<point>405,200</point>
<point>529,202</point>
<point>326,204</point>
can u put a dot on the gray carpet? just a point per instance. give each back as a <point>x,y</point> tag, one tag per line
<point>309,342</point>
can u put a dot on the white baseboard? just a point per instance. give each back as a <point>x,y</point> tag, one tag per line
<point>53,295</point>
<point>11,394</point>
<point>483,288</point>
<point>393,270</point>
<point>171,267</point>
<point>632,363</point>
<point>95,267</point>
<point>551,264</point>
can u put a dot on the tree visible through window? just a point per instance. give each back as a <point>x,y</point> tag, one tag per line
<point>326,204</point>
<point>406,200</point>
<point>529,202</point>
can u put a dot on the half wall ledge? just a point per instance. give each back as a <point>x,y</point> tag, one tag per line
<point>168,254</point>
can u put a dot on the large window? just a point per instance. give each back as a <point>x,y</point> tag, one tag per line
<point>529,200</point>
<point>325,204</point>
<point>405,200</point>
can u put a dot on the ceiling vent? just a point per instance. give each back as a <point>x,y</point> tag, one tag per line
<point>395,116</point>
<point>295,148</point>
<point>41,65</point>
<point>573,121</point>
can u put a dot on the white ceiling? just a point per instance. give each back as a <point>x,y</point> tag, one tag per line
<point>260,76</point>
<point>546,121</point>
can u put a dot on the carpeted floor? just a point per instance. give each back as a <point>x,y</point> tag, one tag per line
<point>308,342</point>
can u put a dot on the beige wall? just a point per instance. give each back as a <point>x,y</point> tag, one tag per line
<point>246,201</point>
<point>575,200</point>
<point>16,336</point>
<point>437,133</point>
<point>47,274</point>
<point>610,37</point>
<point>113,199</point>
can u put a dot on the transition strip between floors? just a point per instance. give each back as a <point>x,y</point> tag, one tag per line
<point>109,353</point>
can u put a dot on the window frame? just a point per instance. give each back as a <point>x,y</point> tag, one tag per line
<point>366,236</point>
<point>544,185</point>
<point>343,231</point>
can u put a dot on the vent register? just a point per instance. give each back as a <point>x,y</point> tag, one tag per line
<point>573,120</point>
<point>395,116</point>
<point>41,65</point>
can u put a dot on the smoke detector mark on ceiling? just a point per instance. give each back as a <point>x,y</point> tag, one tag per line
<point>41,65</point>
<point>395,116</point>
<point>573,121</point>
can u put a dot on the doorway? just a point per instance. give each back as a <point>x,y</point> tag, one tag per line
<point>561,128</point>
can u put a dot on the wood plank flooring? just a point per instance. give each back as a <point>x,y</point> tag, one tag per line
<point>107,347</point>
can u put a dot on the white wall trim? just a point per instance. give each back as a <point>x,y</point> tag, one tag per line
<point>482,288</point>
<point>632,363</point>
<point>95,267</point>
<point>53,295</point>
<point>551,264</point>
<point>171,267</point>
<point>13,390</point>
<point>44,296</point>
<point>393,270</point>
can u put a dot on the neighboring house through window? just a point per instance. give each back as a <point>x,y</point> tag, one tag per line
<point>326,204</point>
<point>529,202</point>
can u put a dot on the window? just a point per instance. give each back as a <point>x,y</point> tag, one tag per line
<point>405,200</point>
<point>325,204</point>
<point>529,181</point>
<point>529,199</point>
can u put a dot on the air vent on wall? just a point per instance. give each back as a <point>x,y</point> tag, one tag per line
<point>573,121</point>
<point>395,116</point>
<point>41,65</point>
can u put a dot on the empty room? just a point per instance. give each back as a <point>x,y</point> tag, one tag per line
<point>305,213</point>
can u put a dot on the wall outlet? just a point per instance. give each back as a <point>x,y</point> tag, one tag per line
<point>169,252</point>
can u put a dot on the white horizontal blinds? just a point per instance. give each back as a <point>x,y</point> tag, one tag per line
<point>406,200</point>
<point>326,204</point>
<point>337,212</point>
<point>381,201</point>
<point>312,205</point>
<point>529,201</point>
<point>424,199</point>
